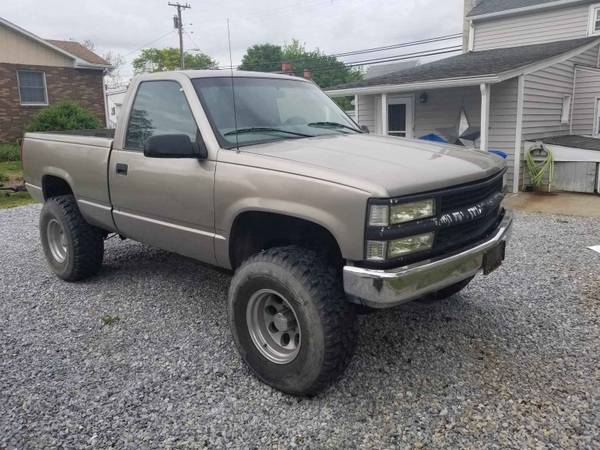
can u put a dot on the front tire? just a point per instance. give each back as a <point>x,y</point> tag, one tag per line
<point>74,249</point>
<point>290,320</point>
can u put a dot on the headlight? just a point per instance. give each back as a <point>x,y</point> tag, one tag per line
<point>384,215</point>
<point>411,244</point>
<point>408,212</point>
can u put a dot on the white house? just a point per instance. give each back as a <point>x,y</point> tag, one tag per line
<point>530,71</point>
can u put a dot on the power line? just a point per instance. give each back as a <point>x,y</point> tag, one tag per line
<point>369,50</point>
<point>149,43</point>
<point>396,46</point>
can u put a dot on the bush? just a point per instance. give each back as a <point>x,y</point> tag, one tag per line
<point>9,152</point>
<point>66,115</point>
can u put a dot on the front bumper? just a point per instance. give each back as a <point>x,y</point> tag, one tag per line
<point>387,288</point>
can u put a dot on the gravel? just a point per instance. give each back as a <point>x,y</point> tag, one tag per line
<point>141,356</point>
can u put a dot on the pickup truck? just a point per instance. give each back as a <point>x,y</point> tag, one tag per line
<point>263,175</point>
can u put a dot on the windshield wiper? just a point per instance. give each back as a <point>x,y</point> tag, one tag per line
<point>265,129</point>
<point>332,125</point>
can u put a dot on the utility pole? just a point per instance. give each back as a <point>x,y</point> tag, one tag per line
<point>179,25</point>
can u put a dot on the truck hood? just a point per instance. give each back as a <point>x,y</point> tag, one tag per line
<point>384,166</point>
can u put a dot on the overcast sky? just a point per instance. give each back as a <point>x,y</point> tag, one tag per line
<point>333,26</point>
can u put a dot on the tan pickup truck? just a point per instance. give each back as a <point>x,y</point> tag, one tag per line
<point>264,175</point>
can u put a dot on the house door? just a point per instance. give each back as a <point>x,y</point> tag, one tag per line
<point>400,116</point>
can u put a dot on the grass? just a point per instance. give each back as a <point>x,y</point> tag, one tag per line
<point>110,320</point>
<point>9,152</point>
<point>14,199</point>
<point>11,174</point>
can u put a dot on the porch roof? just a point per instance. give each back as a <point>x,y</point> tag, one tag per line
<point>470,68</point>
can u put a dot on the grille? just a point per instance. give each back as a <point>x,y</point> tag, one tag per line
<point>470,195</point>
<point>460,235</point>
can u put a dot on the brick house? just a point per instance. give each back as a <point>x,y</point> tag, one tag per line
<point>35,73</point>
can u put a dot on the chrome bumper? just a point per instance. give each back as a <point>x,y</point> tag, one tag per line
<point>387,288</point>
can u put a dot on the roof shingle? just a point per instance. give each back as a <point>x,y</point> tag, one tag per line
<point>474,64</point>
<point>76,49</point>
<point>494,6</point>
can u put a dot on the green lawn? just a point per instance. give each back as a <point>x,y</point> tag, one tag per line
<point>14,199</point>
<point>11,174</point>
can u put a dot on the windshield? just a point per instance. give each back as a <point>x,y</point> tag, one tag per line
<point>269,109</point>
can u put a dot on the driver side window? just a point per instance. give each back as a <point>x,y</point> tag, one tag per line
<point>159,108</point>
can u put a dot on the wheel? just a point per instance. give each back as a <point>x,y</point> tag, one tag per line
<point>290,320</point>
<point>74,249</point>
<point>447,292</point>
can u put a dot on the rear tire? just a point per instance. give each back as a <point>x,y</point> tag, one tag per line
<point>447,292</point>
<point>74,249</point>
<point>290,320</point>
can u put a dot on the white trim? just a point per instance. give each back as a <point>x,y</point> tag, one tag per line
<point>384,115</point>
<point>409,102</point>
<point>45,88</point>
<point>471,44</point>
<point>525,9</point>
<point>518,133</point>
<point>418,86</point>
<point>485,116</point>
<point>78,62</point>
<point>592,19</point>
<point>596,125</point>
<point>356,109</point>
<point>567,106</point>
<point>573,100</point>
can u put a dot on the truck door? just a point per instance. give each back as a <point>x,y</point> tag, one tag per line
<point>164,202</point>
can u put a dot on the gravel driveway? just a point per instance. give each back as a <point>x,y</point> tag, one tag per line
<point>141,356</point>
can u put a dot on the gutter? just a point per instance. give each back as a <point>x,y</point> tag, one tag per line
<point>433,84</point>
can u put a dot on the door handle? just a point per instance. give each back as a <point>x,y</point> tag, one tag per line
<point>121,169</point>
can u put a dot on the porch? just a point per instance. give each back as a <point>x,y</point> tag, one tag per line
<point>477,115</point>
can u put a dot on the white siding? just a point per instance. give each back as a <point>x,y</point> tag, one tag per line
<point>503,122</point>
<point>366,111</point>
<point>587,89</point>
<point>442,109</point>
<point>533,28</point>
<point>544,93</point>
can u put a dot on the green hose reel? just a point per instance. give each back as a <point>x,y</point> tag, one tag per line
<point>540,163</point>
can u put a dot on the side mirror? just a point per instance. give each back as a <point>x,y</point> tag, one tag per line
<point>365,129</point>
<point>174,146</point>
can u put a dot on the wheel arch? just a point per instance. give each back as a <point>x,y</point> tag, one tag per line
<point>254,230</point>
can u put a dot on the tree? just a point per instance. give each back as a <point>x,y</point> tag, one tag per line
<point>327,70</point>
<point>161,59</point>
<point>262,58</point>
<point>112,75</point>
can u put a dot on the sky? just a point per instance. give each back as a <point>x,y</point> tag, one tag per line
<point>333,26</point>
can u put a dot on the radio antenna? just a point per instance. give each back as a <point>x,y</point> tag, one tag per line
<point>237,142</point>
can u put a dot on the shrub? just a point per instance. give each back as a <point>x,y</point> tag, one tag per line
<point>9,152</point>
<point>66,115</point>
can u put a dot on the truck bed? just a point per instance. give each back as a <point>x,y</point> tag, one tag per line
<point>81,158</point>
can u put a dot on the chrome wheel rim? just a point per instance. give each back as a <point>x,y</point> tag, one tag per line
<point>57,240</point>
<point>274,327</point>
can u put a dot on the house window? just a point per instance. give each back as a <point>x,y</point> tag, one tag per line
<point>32,87</point>
<point>566,109</point>
<point>594,25</point>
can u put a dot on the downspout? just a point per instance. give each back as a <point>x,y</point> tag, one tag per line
<point>485,117</point>
<point>518,133</point>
